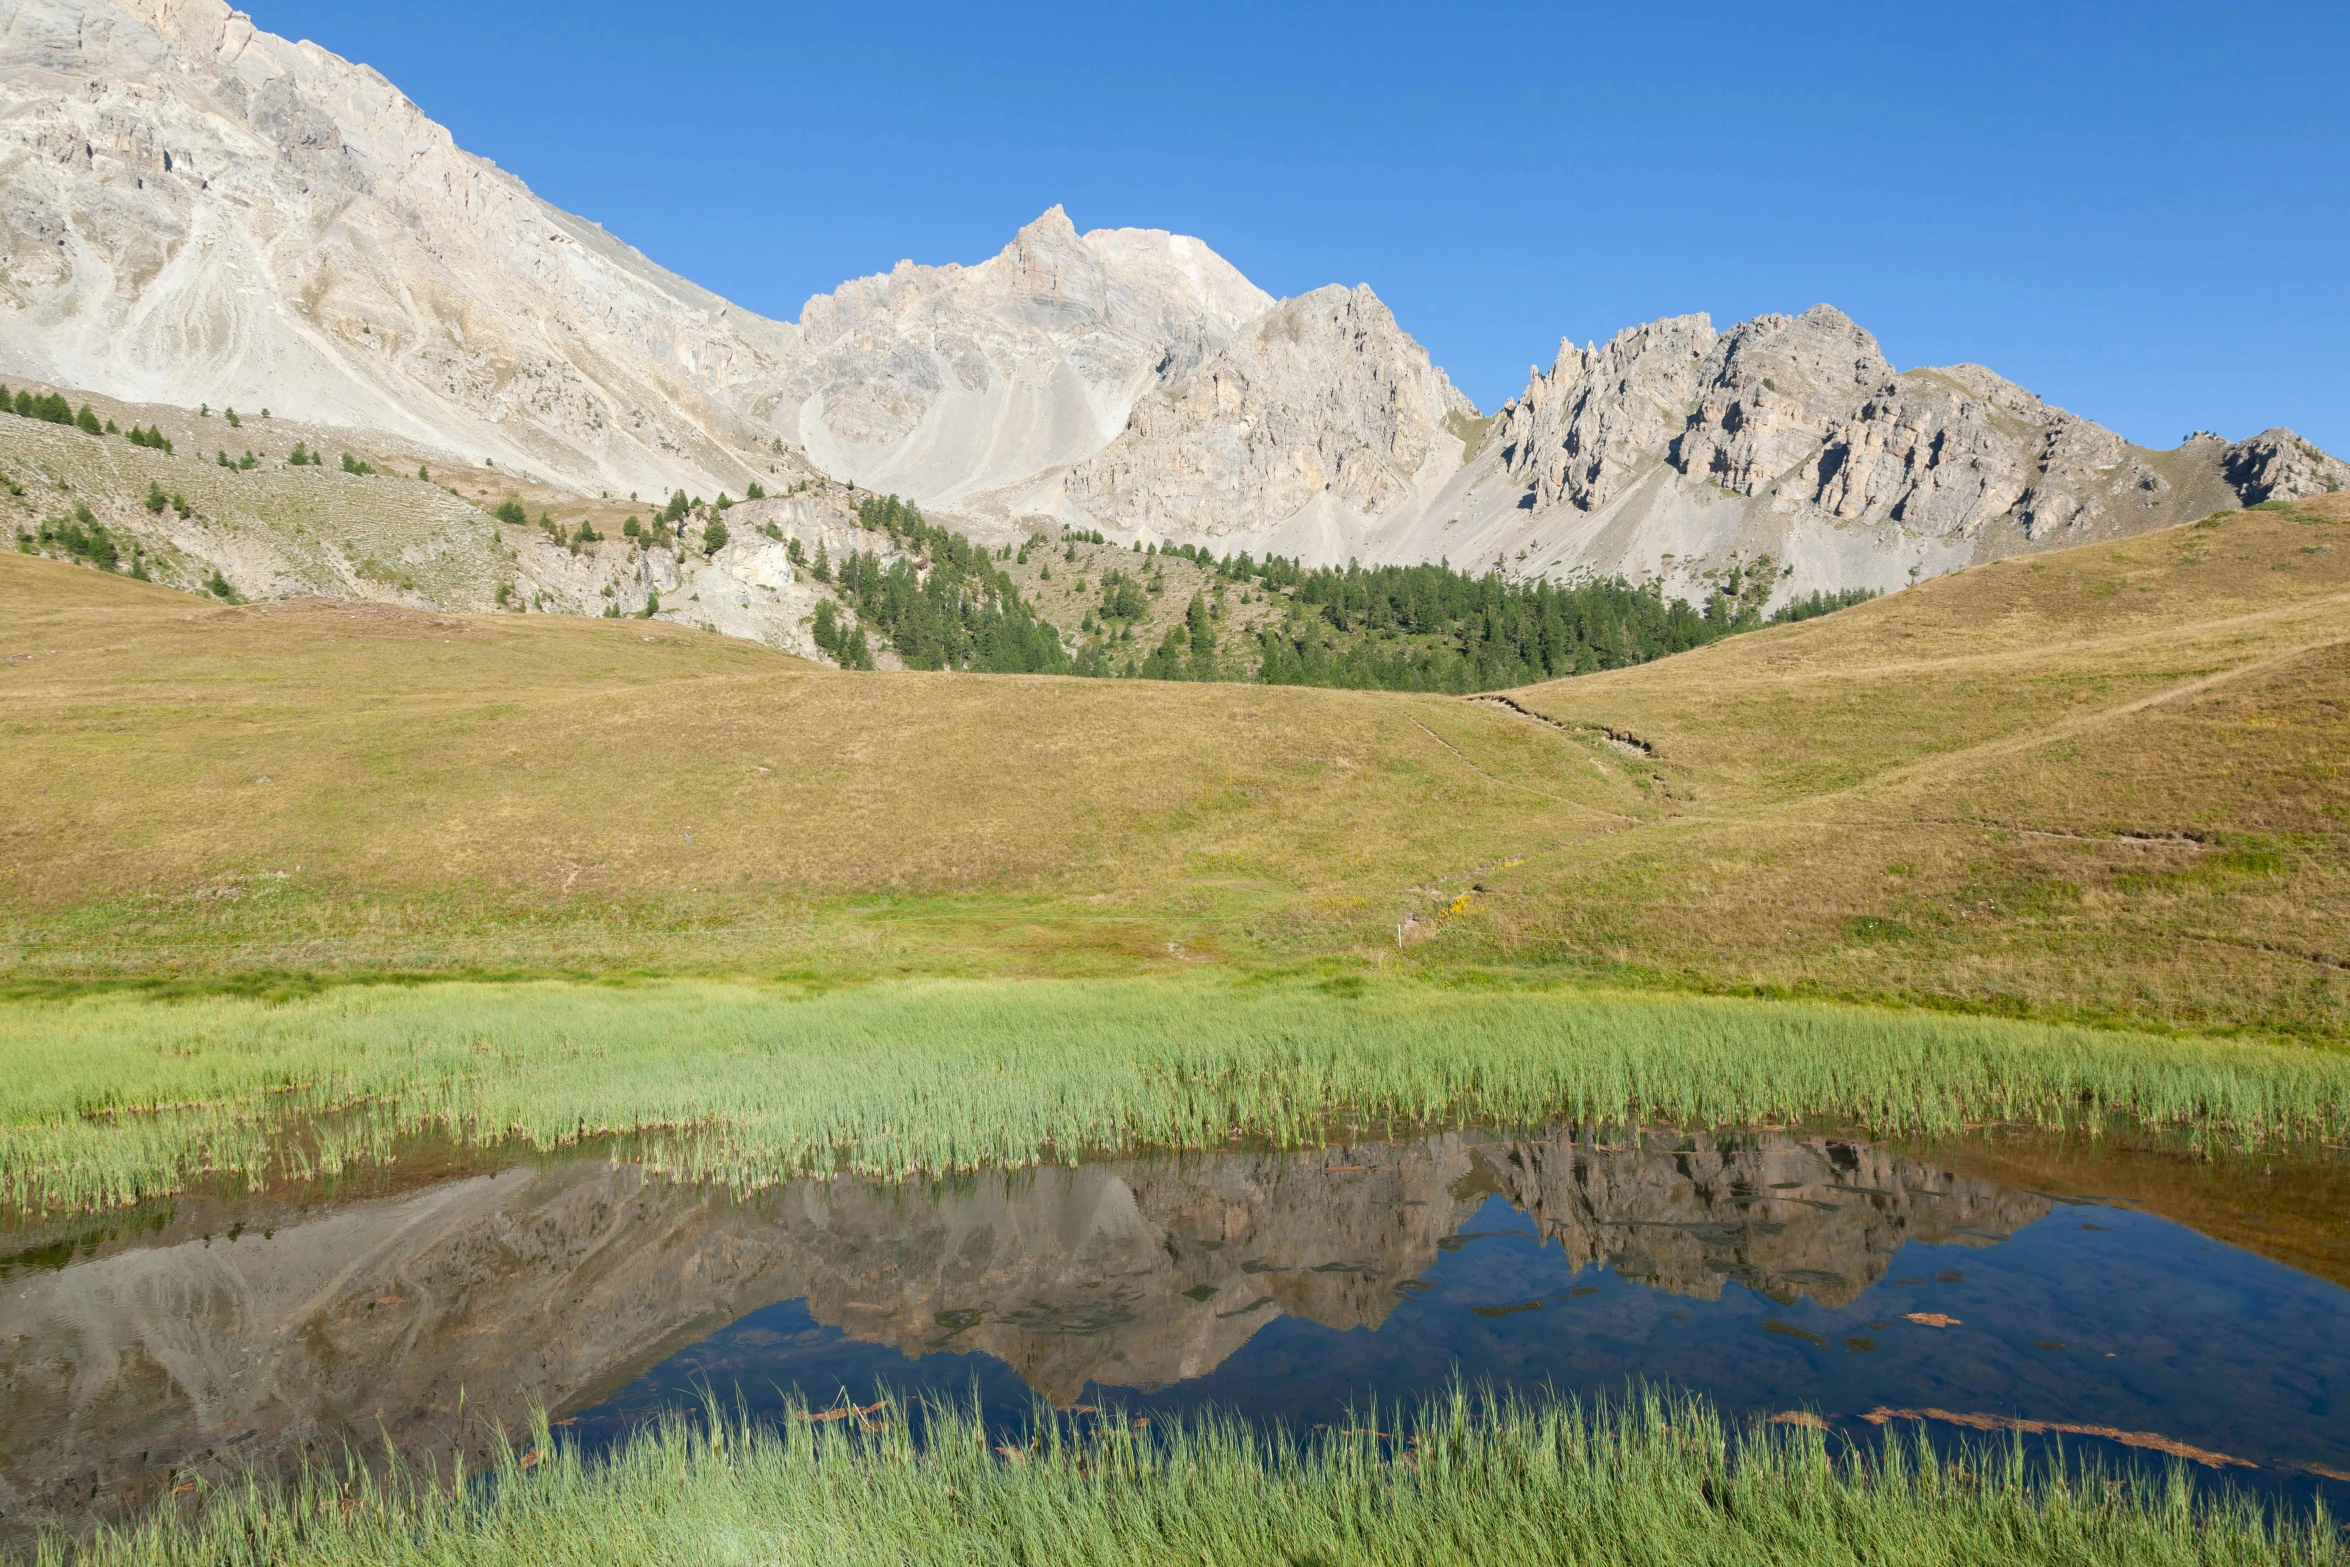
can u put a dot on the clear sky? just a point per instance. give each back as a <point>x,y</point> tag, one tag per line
<point>2138,211</point>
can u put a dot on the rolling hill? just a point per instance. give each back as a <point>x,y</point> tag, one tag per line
<point>2103,781</point>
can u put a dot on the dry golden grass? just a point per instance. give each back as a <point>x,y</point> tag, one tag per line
<point>323,784</point>
<point>2099,782</point>
<point>2108,779</point>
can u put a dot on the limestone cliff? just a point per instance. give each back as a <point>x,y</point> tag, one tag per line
<point>1674,452</point>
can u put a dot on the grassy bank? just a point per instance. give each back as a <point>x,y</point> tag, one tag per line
<point>1657,1482</point>
<point>109,1099</point>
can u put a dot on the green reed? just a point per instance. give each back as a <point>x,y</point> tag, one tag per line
<point>1655,1479</point>
<point>113,1099</point>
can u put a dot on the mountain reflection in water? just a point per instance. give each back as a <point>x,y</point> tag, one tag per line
<point>212,1335</point>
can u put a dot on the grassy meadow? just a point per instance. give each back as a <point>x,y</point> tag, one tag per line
<point>2101,784</point>
<point>1653,1481</point>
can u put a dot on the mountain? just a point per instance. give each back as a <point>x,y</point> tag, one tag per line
<point>195,211</point>
<point>940,381</point>
<point>1676,450</point>
<point>1673,453</point>
<point>1321,415</point>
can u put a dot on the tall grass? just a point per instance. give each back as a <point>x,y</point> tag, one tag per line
<point>1656,1480</point>
<point>111,1100</point>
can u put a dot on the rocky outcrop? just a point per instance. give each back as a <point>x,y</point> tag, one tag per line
<point>2277,465</point>
<point>1322,402</point>
<point>1806,409</point>
<point>1602,415</point>
<point>1676,453</point>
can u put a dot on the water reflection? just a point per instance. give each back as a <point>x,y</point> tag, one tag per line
<point>1774,1271</point>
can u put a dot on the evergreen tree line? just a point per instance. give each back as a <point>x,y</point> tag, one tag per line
<point>948,607</point>
<point>1433,628</point>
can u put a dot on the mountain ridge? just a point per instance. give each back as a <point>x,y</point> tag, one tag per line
<point>193,210</point>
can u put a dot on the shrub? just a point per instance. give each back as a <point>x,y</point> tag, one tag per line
<point>156,500</point>
<point>714,536</point>
<point>219,585</point>
<point>511,513</point>
<point>352,464</point>
<point>234,422</point>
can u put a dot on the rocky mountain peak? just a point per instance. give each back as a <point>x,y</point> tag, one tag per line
<point>939,381</point>
<point>1323,409</point>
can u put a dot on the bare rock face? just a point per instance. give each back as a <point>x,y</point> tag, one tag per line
<point>1322,401</point>
<point>2277,465</point>
<point>193,210</point>
<point>938,381</point>
<point>1602,415</point>
<point>1674,453</point>
<point>1807,409</point>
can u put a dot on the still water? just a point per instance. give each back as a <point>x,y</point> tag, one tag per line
<point>2129,1298</point>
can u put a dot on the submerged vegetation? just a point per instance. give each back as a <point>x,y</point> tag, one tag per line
<point>114,1099</point>
<point>1653,1479</point>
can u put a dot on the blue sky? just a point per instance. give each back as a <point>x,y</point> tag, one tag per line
<point>2137,211</point>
